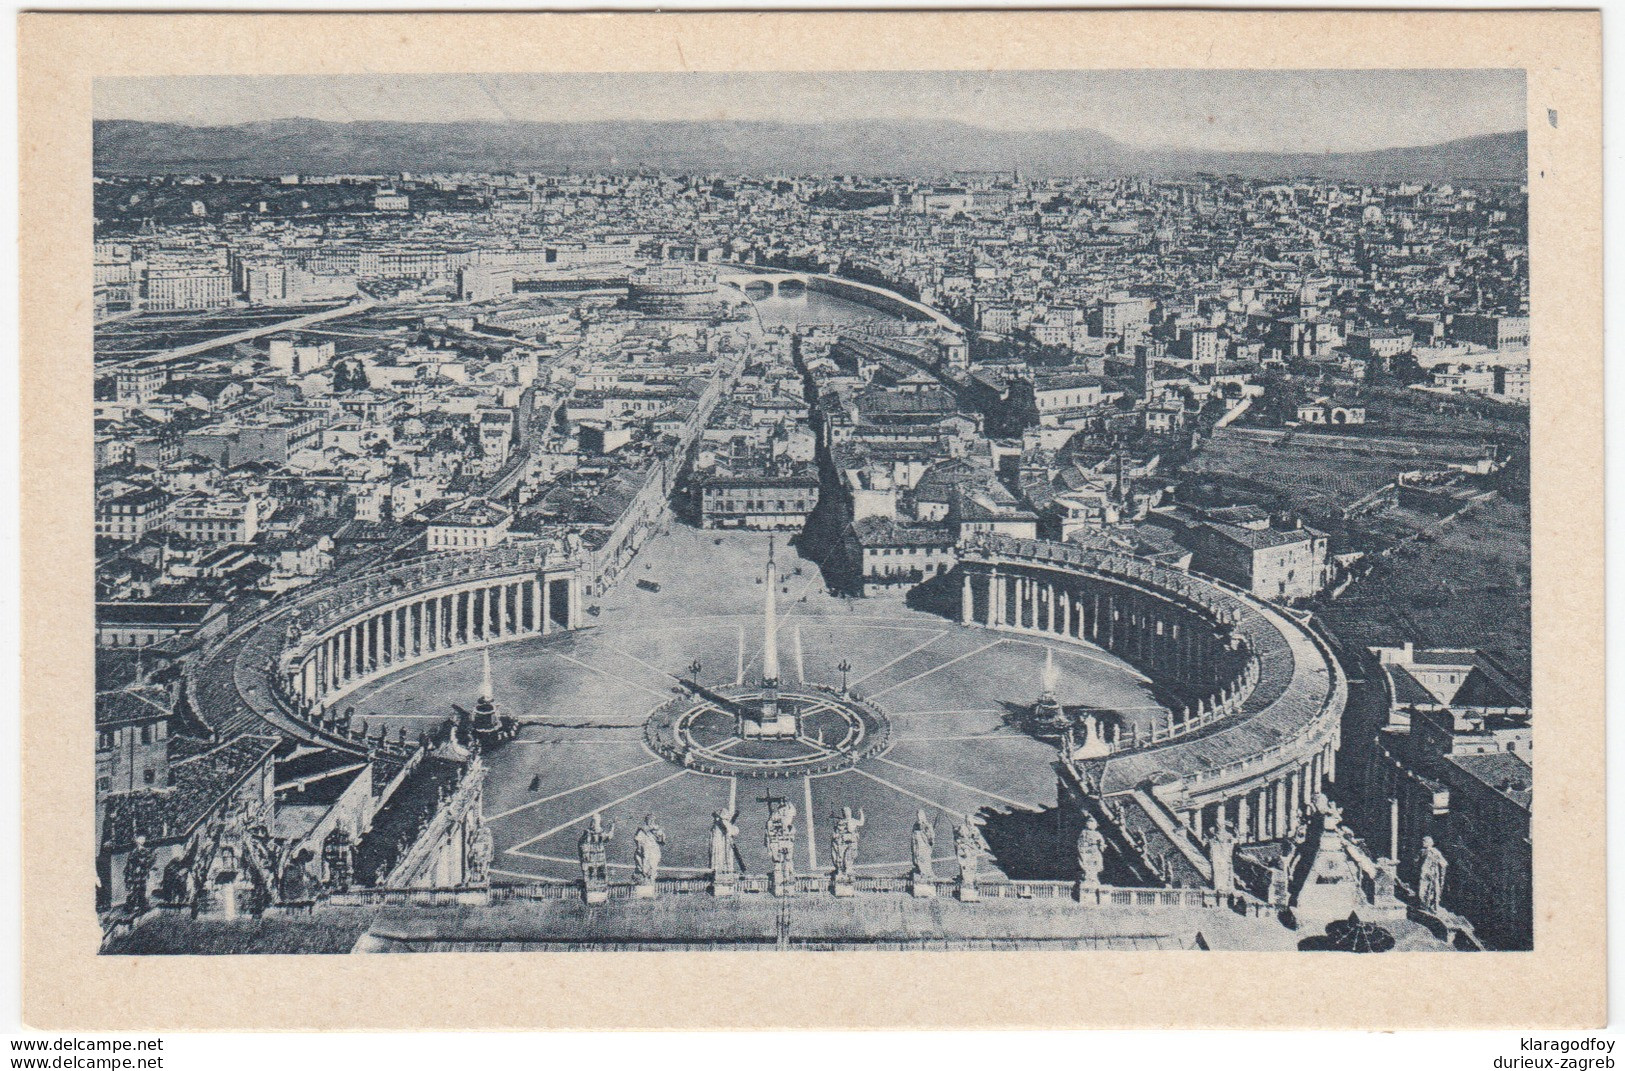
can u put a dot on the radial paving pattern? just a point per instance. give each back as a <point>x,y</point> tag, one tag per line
<point>950,695</point>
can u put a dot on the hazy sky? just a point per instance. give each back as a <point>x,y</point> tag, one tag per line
<point>1308,111</point>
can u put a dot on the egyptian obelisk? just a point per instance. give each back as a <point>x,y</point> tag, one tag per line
<point>773,720</point>
<point>770,629</point>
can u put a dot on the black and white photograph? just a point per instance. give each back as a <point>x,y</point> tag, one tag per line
<point>876,510</point>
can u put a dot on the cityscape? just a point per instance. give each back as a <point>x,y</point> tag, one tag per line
<point>621,528</point>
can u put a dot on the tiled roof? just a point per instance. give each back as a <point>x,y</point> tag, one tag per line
<point>157,614</point>
<point>134,704</point>
<point>882,532</point>
<point>197,785</point>
<point>1502,771</point>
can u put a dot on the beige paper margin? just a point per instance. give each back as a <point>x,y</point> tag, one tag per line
<point>66,985</point>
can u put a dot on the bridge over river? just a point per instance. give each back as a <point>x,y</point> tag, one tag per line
<point>744,277</point>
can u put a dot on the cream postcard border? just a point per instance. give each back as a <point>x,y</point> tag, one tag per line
<point>66,985</point>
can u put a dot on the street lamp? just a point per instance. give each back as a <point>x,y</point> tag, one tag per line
<point>845,667</point>
<point>694,668</point>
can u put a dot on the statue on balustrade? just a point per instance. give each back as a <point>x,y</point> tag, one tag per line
<point>176,886</point>
<point>1094,744</point>
<point>1222,857</point>
<point>338,857</point>
<point>646,845</point>
<point>1331,813</point>
<point>724,852</point>
<point>137,874</point>
<point>1091,849</point>
<point>969,848</point>
<point>1430,876</point>
<point>593,849</point>
<point>843,843</point>
<point>1280,875</point>
<point>296,886</point>
<point>1292,850</point>
<point>923,841</point>
<point>481,850</point>
<point>781,843</point>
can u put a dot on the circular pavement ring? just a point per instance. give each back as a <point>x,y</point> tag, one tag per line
<point>699,731</point>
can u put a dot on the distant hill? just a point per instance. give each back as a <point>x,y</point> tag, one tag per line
<point>1493,157</point>
<point>880,147</point>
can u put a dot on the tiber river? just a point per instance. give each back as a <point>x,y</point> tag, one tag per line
<point>812,307</point>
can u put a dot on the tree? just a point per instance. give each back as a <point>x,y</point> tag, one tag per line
<point>1407,370</point>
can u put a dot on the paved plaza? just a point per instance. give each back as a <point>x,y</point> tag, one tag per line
<point>951,694</point>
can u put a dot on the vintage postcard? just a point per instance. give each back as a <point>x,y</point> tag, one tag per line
<point>977,506</point>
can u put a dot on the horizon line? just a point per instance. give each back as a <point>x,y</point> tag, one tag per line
<point>923,121</point>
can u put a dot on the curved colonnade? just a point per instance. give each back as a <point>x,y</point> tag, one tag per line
<point>294,661</point>
<point>1258,741</point>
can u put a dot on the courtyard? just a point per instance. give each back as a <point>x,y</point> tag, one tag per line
<point>953,695</point>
